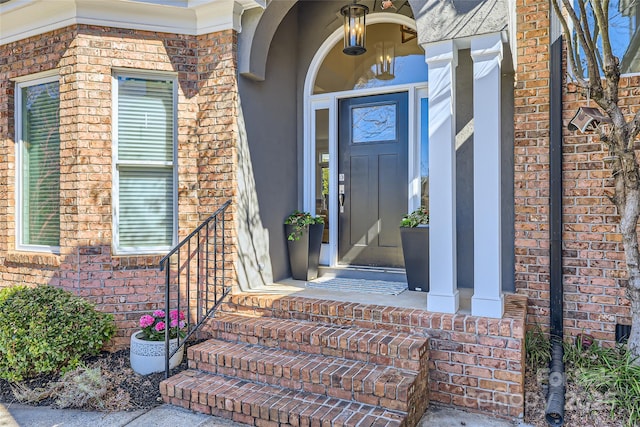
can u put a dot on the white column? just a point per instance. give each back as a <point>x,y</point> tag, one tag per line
<point>487,300</point>
<point>442,59</point>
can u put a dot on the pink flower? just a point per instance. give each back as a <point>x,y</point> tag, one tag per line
<point>160,326</point>
<point>181,324</point>
<point>174,323</point>
<point>158,313</point>
<point>174,314</point>
<point>146,321</point>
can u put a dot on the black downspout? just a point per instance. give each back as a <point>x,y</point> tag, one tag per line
<point>554,413</point>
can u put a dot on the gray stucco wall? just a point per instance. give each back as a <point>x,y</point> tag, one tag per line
<point>273,110</point>
<point>319,20</point>
<point>273,116</point>
<point>455,19</point>
<point>464,169</point>
<point>464,175</point>
<point>270,110</point>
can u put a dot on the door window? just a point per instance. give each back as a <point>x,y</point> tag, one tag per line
<point>374,124</point>
<point>322,168</point>
<point>424,152</point>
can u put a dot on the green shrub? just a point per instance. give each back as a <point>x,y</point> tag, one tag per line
<point>48,330</point>
<point>7,292</point>
<point>418,217</point>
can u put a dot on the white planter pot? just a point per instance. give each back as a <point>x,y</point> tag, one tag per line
<point>147,357</point>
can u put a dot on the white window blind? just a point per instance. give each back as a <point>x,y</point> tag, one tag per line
<point>39,189</point>
<point>144,164</point>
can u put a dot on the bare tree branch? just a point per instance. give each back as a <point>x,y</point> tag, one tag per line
<point>574,59</point>
<point>602,23</point>
<point>590,46</point>
<point>581,28</point>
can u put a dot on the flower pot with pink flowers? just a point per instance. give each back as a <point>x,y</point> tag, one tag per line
<point>147,351</point>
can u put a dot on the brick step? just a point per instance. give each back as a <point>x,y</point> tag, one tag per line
<point>389,387</point>
<point>381,347</point>
<point>270,406</point>
<point>373,316</point>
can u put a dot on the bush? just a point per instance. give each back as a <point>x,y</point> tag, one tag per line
<point>300,221</point>
<point>418,217</point>
<point>47,330</point>
<point>7,292</point>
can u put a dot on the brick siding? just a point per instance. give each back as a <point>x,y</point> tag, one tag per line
<point>593,255</point>
<point>593,260</point>
<point>474,362</point>
<point>86,57</point>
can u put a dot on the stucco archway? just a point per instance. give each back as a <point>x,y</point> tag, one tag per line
<point>434,21</point>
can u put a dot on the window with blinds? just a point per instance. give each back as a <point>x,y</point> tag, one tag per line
<point>144,185</point>
<point>38,136</point>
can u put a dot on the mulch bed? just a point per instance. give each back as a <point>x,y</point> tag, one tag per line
<point>126,390</point>
<point>583,408</point>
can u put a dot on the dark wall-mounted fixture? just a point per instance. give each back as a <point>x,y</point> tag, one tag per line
<point>623,332</point>
<point>354,28</point>
<point>587,118</point>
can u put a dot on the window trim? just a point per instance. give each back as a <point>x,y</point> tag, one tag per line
<point>146,75</point>
<point>23,82</point>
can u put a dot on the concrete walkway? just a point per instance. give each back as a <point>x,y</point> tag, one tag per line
<point>16,415</point>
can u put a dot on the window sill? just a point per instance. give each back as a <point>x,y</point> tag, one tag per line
<point>32,258</point>
<point>136,261</point>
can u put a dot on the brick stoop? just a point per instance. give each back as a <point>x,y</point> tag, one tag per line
<point>268,372</point>
<point>475,363</point>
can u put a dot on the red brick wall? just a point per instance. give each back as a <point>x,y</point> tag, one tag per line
<point>86,57</point>
<point>594,267</point>
<point>531,157</point>
<point>474,362</point>
<point>593,262</point>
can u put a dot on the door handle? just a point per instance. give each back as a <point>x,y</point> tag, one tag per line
<point>341,202</point>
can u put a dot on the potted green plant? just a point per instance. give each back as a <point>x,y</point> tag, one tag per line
<point>414,231</point>
<point>304,239</point>
<point>147,352</point>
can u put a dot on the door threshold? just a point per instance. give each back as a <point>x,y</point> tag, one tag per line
<point>364,272</point>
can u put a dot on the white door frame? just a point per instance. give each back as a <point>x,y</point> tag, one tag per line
<point>329,101</point>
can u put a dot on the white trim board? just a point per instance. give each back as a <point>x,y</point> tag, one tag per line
<point>20,19</point>
<point>33,80</point>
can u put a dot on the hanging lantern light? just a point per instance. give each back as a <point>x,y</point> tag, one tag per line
<point>385,61</point>
<point>354,28</point>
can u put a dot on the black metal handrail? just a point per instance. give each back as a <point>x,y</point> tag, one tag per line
<point>202,283</point>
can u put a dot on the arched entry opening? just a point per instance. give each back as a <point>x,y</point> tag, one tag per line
<point>293,116</point>
<point>366,141</point>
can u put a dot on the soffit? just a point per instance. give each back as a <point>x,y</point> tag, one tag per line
<point>439,20</point>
